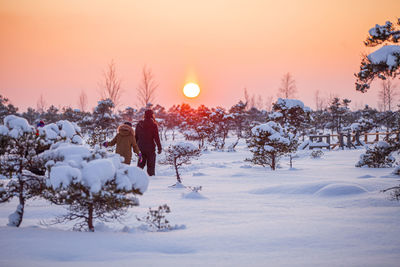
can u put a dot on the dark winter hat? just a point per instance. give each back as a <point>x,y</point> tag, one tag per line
<point>128,123</point>
<point>148,114</point>
<point>40,124</point>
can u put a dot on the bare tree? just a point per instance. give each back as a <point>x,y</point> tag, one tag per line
<point>269,102</point>
<point>82,103</point>
<point>41,104</point>
<point>319,102</point>
<point>288,86</point>
<point>259,103</point>
<point>387,94</point>
<point>111,85</point>
<point>147,87</point>
<point>247,99</point>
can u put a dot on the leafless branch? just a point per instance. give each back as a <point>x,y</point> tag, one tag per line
<point>147,87</point>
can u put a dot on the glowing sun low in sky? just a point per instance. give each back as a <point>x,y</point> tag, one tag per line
<point>191,90</point>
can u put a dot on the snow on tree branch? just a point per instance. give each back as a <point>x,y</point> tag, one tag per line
<point>383,62</point>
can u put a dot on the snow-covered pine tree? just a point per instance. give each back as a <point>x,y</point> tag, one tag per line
<point>385,61</point>
<point>339,113</point>
<point>173,120</point>
<point>6,108</point>
<point>294,117</point>
<point>19,160</point>
<point>178,155</point>
<point>268,142</point>
<point>198,125</point>
<point>31,115</point>
<point>395,191</point>
<point>92,183</point>
<point>377,156</point>
<point>102,123</point>
<point>72,115</point>
<point>19,148</point>
<point>218,129</point>
<point>239,121</point>
<point>51,115</point>
<point>129,114</point>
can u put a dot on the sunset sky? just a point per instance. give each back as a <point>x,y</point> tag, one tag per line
<point>60,48</point>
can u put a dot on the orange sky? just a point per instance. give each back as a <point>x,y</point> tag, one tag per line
<point>59,48</point>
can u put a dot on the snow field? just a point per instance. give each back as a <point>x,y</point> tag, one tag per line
<point>322,212</point>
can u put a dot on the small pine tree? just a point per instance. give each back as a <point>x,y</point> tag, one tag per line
<point>20,161</point>
<point>294,117</point>
<point>19,148</point>
<point>6,108</point>
<point>218,128</point>
<point>92,183</point>
<point>197,126</point>
<point>156,219</point>
<point>180,154</point>
<point>377,156</point>
<point>395,191</point>
<point>268,142</point>
<point>102,123</point>
<point>239,121</point>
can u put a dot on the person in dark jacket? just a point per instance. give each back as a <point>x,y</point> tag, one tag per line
<point>147,138</point>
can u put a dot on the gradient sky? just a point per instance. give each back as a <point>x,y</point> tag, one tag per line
<point>59,48</point>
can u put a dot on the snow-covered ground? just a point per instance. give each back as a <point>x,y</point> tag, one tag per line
<point>324,212</point>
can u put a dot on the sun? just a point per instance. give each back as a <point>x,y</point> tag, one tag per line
<point>191,90</point>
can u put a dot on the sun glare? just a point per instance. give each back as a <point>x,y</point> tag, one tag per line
<point>191,90</point>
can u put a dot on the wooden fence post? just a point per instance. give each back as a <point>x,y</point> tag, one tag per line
<point>328,140</point>
<point>349,144</point>
<point>357,138</point>
<point>341,141</point>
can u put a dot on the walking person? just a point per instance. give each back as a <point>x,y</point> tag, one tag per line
<point>147,138</point>
<point>125,141</point>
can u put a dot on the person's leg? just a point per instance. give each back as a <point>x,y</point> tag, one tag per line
<point>142,163</point>
<point>151,163</point>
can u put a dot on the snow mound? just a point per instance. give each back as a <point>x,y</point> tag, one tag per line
<point>304,189</point>
<point>199,174</point>
<point>193,195</point>
<point>239,174</point>
<point>339,189</point>
<point>246,166</point>
<point>366,176</point>
<point>323,189</point>
<point>177,185</point>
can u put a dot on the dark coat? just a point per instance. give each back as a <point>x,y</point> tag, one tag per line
<point>147,136</point>
<point>125,141</point>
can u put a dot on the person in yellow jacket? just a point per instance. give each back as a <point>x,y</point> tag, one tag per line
<point>125,141</point>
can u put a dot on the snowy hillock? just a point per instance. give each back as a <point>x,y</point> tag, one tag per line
<point>340,189</point>
<point>326,189</point>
